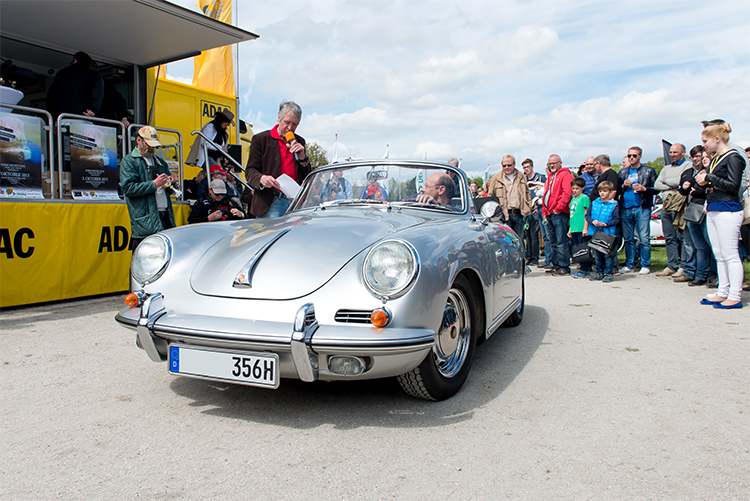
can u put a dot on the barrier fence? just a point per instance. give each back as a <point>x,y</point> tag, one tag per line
<point>64,228</point>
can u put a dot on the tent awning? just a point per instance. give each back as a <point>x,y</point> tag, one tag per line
<point>124,32</point>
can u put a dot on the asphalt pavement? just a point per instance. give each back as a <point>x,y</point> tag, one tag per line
<point>629,390</point>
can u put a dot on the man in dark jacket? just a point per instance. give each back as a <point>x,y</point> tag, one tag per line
<point>77,89</point>
<point>143,178</point>
<point>272,155</point>
<point>215,205</point>
<point>636,190</point>
<point>603,167</point>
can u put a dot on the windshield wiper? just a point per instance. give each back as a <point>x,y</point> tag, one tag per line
<point>410,203</point>
<point>352,201</point>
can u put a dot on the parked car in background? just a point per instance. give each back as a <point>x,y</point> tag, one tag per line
<point>336,289</point>
<point>657,234</point>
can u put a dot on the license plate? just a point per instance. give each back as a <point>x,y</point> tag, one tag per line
<point>253,369</point>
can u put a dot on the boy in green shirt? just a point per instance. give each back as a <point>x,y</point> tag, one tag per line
<point>578,206</point>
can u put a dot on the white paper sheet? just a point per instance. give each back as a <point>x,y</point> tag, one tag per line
<point>288,186</point>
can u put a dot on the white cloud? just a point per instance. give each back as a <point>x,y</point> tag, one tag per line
<point>480,79</point>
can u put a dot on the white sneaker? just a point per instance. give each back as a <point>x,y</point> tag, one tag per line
<point>625,269</point>
<point>644,271</point>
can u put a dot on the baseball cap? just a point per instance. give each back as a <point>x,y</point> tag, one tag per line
<point>219,187</point>
<point>149,135</point>
<point>214,169</point>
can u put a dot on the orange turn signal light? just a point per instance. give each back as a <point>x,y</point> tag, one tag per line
<point>132,299</point>
<point>379,317</point>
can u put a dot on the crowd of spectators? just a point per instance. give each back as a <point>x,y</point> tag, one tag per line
<point>696,198</point>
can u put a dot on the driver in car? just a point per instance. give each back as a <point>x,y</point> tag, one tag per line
<point>438,190</point>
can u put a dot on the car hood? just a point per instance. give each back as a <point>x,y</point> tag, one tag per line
<point>291,257</point>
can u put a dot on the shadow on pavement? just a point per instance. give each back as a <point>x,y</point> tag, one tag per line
<point>23,317</point>
<point>376,403</point>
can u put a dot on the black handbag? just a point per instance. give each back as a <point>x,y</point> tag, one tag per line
<point>581,253</point>
<point>603,242</point>
<point>694,213</point>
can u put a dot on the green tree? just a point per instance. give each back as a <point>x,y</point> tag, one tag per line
<point>318,156</point>
<point>657,164</point>
<point>479,180</point>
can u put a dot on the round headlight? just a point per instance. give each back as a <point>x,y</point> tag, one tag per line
<point>390,268</point>
<point>150,259</point>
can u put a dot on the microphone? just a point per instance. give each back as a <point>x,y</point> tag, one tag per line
<point>290,139</point>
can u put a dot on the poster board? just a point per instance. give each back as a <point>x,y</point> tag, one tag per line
<point>93,161</point>
<point>21,157</point>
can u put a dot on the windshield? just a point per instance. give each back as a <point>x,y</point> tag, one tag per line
<point>440,188</point>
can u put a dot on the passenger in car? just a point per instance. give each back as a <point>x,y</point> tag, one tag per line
<point>373,190</point>
<point>337,187</point>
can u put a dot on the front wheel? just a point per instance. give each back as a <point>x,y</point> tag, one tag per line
<point>444,370</point>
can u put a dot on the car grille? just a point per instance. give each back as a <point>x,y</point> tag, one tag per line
<point>310,318</point>
<point>353,316</point>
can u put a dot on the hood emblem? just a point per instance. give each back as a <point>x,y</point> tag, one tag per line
<point>243,280</point>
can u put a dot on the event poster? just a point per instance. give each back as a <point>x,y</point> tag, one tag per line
<point>21,156</point>
<point>93,161</point>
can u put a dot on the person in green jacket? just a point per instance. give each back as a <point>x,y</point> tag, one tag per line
<point>143,179</point>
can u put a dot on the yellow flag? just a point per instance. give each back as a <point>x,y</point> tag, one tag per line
<point>214,69</point>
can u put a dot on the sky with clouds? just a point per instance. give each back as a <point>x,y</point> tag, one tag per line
<point>477,80</point>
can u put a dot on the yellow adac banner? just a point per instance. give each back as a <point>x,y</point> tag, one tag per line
<point>214,69</point>
<point>55,251</point>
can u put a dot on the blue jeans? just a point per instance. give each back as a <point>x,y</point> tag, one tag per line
<point>557,229</point>
<point>689,259</point>
<point>531,237</point>
<point>636,219</point>
<point>604,264</point>
<point>672,239</point>
<point>703,253</point>
<point>278,207</point>
<point>545,228</point>
<point>515,221</point>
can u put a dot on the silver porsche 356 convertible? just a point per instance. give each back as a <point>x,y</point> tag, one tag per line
<point>358,280</point>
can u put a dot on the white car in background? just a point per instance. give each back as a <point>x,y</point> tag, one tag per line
<point>657,235</point>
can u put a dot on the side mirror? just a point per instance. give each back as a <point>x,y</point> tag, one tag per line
<point>489,210</point>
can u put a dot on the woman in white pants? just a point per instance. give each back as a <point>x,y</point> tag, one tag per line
<point>722,180</point>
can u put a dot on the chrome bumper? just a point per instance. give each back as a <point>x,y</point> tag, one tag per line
<point>303,353</point>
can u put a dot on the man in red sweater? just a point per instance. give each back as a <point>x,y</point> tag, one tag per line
<point>556,214</point>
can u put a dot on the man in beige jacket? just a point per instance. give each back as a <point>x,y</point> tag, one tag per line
<point>510,188</point>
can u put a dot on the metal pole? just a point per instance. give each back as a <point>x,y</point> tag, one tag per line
<point>236,15</point>
<point>153,98</point>
<point>224,154</point>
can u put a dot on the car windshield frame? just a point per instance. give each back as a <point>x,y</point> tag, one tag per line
<point>386,183</point>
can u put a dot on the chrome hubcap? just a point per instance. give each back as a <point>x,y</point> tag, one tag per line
<point>454,336</point>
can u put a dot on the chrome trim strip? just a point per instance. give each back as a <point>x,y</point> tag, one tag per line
<point>244,277</point>
<point>301,340</point>
<point>264,344</point>
<point>508,311</point>
<point>151,311</point>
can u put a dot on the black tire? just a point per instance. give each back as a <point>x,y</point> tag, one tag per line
<point>445,368</point>
<point>515,319</point>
